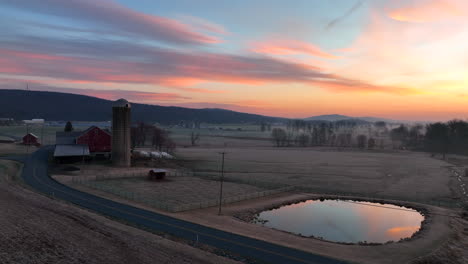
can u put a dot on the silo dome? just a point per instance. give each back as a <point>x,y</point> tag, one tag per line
<point>121,103</point>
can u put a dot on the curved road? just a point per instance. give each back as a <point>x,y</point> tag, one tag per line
<point>35,174</point>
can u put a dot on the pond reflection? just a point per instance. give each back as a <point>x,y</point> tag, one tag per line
<point>345,221</point>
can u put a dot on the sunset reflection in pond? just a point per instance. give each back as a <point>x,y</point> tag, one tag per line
<point>345,221</point>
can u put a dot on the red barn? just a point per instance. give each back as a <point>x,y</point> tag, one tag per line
<point>98,140</point>
<point>30,139</point>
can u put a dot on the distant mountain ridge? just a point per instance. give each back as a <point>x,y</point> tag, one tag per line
<point>54,106</point>
<point>336,117</point>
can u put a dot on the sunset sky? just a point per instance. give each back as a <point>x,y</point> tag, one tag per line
<point>400,59</point>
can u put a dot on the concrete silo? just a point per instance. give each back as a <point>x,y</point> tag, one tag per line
<point>121,133</point>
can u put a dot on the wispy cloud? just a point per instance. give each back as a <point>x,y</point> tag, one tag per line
<point>164,67</point>
<point>289,47</point>
<point>201,24</point>
<point>118,18</point>
<point>125,61</point>
<point>349,12</point>
<point>429,11</point>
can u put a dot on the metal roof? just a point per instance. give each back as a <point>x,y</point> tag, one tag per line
<point>121,103</point>
<point>158,170</point>
<point>71,150</point>
<point>64,138</point>
<point>32,135</point>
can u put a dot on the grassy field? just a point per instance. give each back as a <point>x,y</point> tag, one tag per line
<point>174,192</point>
<point>229,136</point>
<point>47,133</point>
<point>252,158</point>
<point>403,175</point>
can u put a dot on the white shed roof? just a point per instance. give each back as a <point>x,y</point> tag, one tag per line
<point>71,150</point>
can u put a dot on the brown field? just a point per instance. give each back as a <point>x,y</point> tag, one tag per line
<point>252,164</point>
<point>399,175</point>
<point>36,229</point>
<point>15,149</point>
<point>175,191</point>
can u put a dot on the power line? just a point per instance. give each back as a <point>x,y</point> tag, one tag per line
<point>221,182</point>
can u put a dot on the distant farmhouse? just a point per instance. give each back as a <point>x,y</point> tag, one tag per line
<point>30,139</point>
<point>93,141</point>
<point>37,121</point>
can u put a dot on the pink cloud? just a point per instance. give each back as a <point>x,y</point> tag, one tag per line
<point>118,18</point>
<point>345,85</point>
<point>290,47</point>
<point>203,24</point>
<point>176,69</point>
<point>428,11</point>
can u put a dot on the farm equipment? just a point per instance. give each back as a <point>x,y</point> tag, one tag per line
<point>157,174</point>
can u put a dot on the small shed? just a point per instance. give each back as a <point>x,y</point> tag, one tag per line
<point>30,139</point>
<point>157,174</point>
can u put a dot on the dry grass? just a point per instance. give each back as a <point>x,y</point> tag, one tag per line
<point>15,149</point>
<point>453,251</point>
<point>402,175</point>
<point>36,229</point>
<point>177,191</point>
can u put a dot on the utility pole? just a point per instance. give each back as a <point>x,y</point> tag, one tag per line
<point>221,183</point>
<point>42,134</point>
<point>27,141</point>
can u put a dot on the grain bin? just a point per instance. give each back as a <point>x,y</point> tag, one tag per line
<point>121,133</point>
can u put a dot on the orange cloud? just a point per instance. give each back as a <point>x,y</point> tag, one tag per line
<point>345,85</point>
<point>427,11</point>
<point>182,70</point>
<point>290,47</point>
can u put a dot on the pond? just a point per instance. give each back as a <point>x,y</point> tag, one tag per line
<point>344,220</point>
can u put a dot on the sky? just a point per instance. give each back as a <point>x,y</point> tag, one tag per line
<point>399,59</point>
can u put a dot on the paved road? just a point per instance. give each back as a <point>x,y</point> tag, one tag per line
<point>35,173</point>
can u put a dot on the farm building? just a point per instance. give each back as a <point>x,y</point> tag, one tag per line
<point>70,151</point>
<point>36,121</point>
<point>92,141</point>
<point>30,139</point>
<point>98,140</point>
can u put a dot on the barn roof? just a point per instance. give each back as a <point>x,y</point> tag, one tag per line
<point>32,135</point>
<point>91,128</point>
<point>71,150</point>
<point>67,138</point>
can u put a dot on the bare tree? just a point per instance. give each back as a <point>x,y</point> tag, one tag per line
<point>361,141</point>
<point>279,136</point>
<point>303,140</point>
<point>194,138</point>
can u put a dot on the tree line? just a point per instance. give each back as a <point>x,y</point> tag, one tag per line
<point>440,137</point>
<point>159,138</point>
<point>319,133</point>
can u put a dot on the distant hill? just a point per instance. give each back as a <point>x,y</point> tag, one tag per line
<point>336,117</point>
<point>21,104</point>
